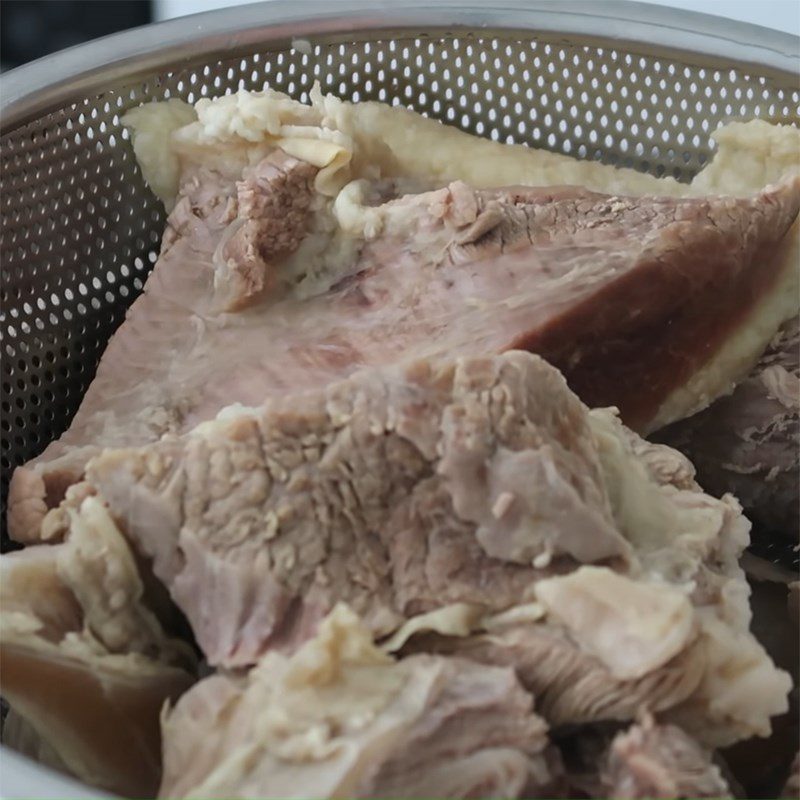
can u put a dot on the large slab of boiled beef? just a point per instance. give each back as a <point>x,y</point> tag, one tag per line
<point>628,297</point>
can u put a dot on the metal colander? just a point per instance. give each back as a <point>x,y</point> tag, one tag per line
<point>623,83</point>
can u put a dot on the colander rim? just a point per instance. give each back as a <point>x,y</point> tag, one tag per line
<point>47,83</point>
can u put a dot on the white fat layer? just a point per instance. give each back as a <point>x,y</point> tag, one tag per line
<point>631,626</point>
<point>152,126</point>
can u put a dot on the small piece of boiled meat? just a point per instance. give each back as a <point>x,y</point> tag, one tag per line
<point>646,760</point>
<point>86,665</point>
<point>342,719</point>
<point>748,443</point>
<point>660,761</point>
<point>617,292</point>
<point>274,201</point>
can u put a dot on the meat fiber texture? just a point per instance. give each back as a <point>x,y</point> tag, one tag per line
<point>319,399</point>
<point>748,442</point>
<point>306,242</point>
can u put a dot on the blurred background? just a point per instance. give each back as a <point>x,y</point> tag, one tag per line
<point>30,29</point>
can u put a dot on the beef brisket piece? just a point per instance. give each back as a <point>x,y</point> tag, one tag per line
<point>485,482</point>
<point>748,442</point>
<point>342,719</point>
<point>617,292</point>
<point>397,492</point>
<point>86,665</point>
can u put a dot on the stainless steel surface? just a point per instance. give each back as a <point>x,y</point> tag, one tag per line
<point>623,83</point>
<point>652,29</point>
<point>628,84</point>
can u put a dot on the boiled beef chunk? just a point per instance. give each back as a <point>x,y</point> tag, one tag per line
<point>86,664</point>
<point>748,442</point>
<point>358,503</point>
<point>273,202</point>
<point>484,483</point>
<point>616,291</point>
<point>340,718</point>
<point>260,523</point>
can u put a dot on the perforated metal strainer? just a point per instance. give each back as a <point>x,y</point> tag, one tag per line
<point>624,83</point>
<point>627,84</point>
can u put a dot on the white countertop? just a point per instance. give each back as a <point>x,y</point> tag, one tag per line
<point>782,15</point>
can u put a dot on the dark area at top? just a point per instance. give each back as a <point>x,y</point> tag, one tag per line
<point>30,29</point>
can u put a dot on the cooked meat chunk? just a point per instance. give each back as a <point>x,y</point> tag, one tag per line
<point>485,482</point>
<point>86,665</point>
<point>646,760</point>
<point>259,524</point>
<point>274,204</point>
<point>660,761</point>
<point>342,719</point>
<point>614,291</point>
<point>347,431</point>
<point>748,442</point>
